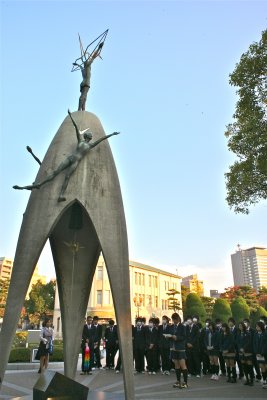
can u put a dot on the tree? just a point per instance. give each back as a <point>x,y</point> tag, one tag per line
<point>221,310</point>
<point>208,303</point>
<point>184,293</point>
<point>246,181</point>
<point>4,285</point>
<point>41,300</point>
<point>247,292</point>
<point>263,301</point>
<point>173,302</point>
<point>255,316</point>
<point>240,309</point>
<point>194,306</point>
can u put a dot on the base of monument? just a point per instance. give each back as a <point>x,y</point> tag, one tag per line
<point>92,395</point>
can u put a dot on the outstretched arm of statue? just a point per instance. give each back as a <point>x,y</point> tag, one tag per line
<point>76,127</point>
<point>104,138</point>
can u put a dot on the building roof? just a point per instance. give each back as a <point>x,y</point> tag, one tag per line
<point>152,269</point>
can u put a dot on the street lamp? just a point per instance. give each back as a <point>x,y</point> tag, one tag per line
<point>138,303</point>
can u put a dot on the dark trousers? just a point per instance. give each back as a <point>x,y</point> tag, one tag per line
<point>165,358</point>
<point>110,355</point>
<point>222,363</point>
<point>205,362</point>
<point>139,359</point>
<point>118,365</point>
<point>151,359</point>
<point>97,361</point>
<point>193,362</point>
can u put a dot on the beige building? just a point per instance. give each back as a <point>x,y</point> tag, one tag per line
<point>250,267</point>
<point>148,287</point>
<point>6,265</point>
<point>193,284</point>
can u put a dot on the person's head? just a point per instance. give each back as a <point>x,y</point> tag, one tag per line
<point>207,322</point>
<point>111,322</point>
<point>246,322</point>
<point>156,321</point>
<point>218,322</point>
<point>189,320</point>
<point>151,322</point>
<point>212,326</point>
<point>46,323</point>
<point>242,326</point>
<point>95,320</point>
<point>225,328</point>
<point>138,322</point>
<point>263,319</point>
<point>143,321</point>
<point>231,322</point>
<point>176,318</point>
<point>195,319</point>
<point>165,320</point>
<point>89,320</point>
<point>87,136</point>
<point>259,326</point>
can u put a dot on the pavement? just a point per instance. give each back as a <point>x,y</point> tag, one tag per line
<point>107,385</point>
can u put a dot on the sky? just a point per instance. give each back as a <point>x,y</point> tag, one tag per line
<point>163,82</point>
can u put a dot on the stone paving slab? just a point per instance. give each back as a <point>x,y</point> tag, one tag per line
<point>106,385</point>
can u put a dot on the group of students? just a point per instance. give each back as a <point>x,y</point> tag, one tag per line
<point>186,347</point>
<point>191,349</point>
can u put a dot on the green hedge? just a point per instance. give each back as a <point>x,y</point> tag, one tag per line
<point>20,355</point>
<point>24,354</point>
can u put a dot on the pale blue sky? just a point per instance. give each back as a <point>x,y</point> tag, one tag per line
<point>163,83</point>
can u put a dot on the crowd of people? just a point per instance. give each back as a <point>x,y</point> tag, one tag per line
<point>236,351</point>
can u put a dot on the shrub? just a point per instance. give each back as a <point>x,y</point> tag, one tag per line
<point>20,339</point>
<point>221,310</point>
<point>194,306</point>
<point>255,316</point>
<point>19,355</point>
<point>240,309</point>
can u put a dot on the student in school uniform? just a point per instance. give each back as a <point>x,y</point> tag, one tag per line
<point>192,347</point>
<point>177,347</point>
<point>260,348</point>
<point>204,356</point>
<point>111,340</point>
<point>151,347</point>
<point>218,323</point>
<point>212,344</point>
<point>164,346</point>
<point>244,341</point>
<point>255,363</point>
<point>234,331</point>
<point>228,352</point>
<point>139,345</point>
<point>98,337</point>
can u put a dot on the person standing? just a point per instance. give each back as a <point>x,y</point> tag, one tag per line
<point>260,349</point>
<point>97,342</point>
<point>164,346</point>
<point>228,350</point>
<point>244,343</point>
<point>111,340</point>
<point>46,344</point>
<point>255,363</point>
<point>139,345</point>
<point>204,357</point>
<point>151,347</point>
<point>177,347</point>
<point>192,348</point>
<point>88,336</point>
<point>212,344</point>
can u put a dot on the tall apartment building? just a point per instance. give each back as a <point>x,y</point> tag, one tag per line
<point>148,294</point>
<point>193,284</point>
<point>6,265</point>
<point>250,267</point>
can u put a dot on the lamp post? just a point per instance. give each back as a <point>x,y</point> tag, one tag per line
<point>138,303</point>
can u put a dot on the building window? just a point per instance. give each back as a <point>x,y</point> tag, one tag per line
<point>139,279</point>
<point>143,279</point>
<point>156,281</point>
<point>99,297</point>
<point>107,297</point>
<point>149,280</point>
<point>149,297</point>
<point>100,272</point>
<point>156,301</point>
<point>135,278</point>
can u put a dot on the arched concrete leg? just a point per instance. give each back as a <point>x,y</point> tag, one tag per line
<point>75,253</point>
<point>23,268</point>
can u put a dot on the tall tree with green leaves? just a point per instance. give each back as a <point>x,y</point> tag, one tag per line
<point>221,310</point>
<point>246,181</point>
<point>245,291</point>
<point>208,303</point>
<point>41,300</point>
<point>240,309</point>
<point>4,285</point>
<point>173,301</point>
<point>194,306</point>
<point>255,316</point>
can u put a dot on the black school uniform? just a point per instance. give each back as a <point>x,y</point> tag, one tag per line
<point>139,346</point>
<point>193,354</point>
<point>164,348</point>
<point>151,348</point>
<point>111,340</point>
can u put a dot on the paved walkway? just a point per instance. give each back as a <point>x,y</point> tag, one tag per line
<point>107,385</point>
